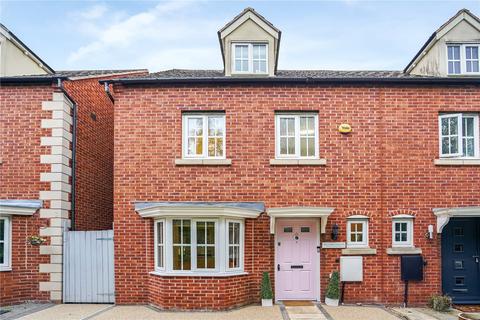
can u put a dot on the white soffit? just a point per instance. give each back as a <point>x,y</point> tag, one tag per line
<point>300,212</point>
<point>444,214</point>
<point>199,209</point>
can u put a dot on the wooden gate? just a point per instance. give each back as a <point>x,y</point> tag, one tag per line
<point>88,267</point>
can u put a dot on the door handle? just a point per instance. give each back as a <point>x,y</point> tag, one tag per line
<point>278,267</point>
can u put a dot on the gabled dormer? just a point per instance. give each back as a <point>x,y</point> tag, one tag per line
<point>16,59</point>
<point>249,45</point>
<point>452,50</point>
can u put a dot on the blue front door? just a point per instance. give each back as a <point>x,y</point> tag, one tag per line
<point>461,261</point>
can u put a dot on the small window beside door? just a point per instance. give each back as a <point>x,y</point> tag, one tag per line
<point>357,232</point>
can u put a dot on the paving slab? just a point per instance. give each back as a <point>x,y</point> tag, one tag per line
<point>427,314</point>
<point>20,310</point>
<point>359,313</point>
<point>68,312</point>
<point>147,313</point>
<point>305,313</point>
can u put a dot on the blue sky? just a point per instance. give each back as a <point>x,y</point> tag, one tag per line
<point>159,35</point>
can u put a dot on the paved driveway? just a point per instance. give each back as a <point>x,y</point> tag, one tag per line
<point>110,312</point>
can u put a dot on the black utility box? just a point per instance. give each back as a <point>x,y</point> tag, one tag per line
<point>412,268</point>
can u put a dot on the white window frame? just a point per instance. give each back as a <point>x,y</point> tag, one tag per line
<point>356,244</point>
<point>221,247</point>
<point>296,116</point>
<point>156,223</point>
<point>7,254</point>
<point>463,58</point>
<point>241,245</point>
<point>250,57</point>
<point>204,116</point>
<point>460,137</point>
<point>403,244</point>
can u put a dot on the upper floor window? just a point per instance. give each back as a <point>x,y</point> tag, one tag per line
<point>459,135</point>
<point>296,135</point>
<point>463,59</point>
<point>204,136</point>
<point>250,58</point>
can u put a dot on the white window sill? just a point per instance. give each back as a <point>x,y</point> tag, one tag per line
<point>359,251</point>
<point>4,269</point>
<point>203,162</point>
<point>457,162</point>
<point>298,162</point>
<point>198,274</point>
<point>403,251</point>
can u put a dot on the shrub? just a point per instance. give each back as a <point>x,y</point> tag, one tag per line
<point>266,288</point>
<point>333,290</point>
<point>440,303</point>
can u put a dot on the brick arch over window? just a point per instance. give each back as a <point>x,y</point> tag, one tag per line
<point>359,212</point>
<point>396,212</point>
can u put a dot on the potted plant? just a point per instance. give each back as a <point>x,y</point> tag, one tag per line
<point>36,240</point>
<point>266,291</point>
<point>333,291</point>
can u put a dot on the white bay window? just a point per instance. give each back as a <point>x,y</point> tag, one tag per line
<point>198,246</point>
<point>5,244</point>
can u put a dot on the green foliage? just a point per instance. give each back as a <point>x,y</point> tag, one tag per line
<point>440,303</point>
<point>266,288</point>
<point>333,290</point>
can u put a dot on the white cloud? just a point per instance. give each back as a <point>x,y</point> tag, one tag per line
<point>164,36</point>
<point>95,12</point>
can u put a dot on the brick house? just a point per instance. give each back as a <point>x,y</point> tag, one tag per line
<point>220,175</point>
<point>53,124</point>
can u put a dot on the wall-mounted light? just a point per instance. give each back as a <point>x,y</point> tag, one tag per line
<point>430,232</point>
<point>335,231</point>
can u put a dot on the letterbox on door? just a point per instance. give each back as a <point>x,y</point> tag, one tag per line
<point>412,268</point>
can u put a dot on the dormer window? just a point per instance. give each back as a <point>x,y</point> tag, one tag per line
<point>463,59</point>
<point>250,58</point>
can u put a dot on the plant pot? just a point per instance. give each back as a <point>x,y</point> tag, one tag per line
<point>267,302</point>
<point>469,316</point>
<point>331,302</point>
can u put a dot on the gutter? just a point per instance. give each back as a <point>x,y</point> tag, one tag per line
<point>30,79</point>
<point>285,80</point>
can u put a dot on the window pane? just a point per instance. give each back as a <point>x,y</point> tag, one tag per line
<point>445,146</point>
<point>195,126</point>
<point>453,125</point>
<point>404,226</point>
<point>236,234</point>
<point>199,146</point>
<point>404,237</point>
<point>200,232</point>
<point>397,237</point>
<point>211,232</point>
<point>359,227</point>
<point>468,127</point>
<point>2,252</point>
<point>303,126</point>
<point>475,66</point>
<point>186,231</point>
<point>303,147</point>
<point>263,66</point>
<point>238,65</point>
<point>256,66</point>
<point>352,237</point>
<point>444,126</point>
<point>160,256</point>
<point>468,147</point>
<point>397,226</point>
<point>450,67</point>
<point>201,263</point>
<point>291,126</point>
<point>219,147</point>
<point>176,229</point>
<point>283,126</point>
<point>359,237</point>
<point>230,233</point>
<point>211,257</point>
<point>231,258</point>
<point>186,258</point>
<point>456,67</point>
<point>311,147</point>
<point>469,66</point>
<point>453,145</point>
<point>283,145</point>
<point>211,147</point>
<point>2,230</point>
<point>291,145</point>
<point>177,258</point>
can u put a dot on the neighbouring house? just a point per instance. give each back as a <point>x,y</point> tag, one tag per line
<point>52,124</point>
<point>220,175</point>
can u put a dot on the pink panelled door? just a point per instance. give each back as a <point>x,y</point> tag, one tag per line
<point>297,258</point>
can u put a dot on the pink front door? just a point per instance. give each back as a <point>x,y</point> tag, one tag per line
<point>297,260</point>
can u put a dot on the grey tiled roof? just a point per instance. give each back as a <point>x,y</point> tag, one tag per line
<point>88,73</point>
<point>183,73</point>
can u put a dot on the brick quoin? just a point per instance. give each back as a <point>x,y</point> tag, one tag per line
<point>384,165</point>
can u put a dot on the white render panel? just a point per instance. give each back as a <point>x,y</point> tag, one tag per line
<point>49,286</point>
<point>54,177</point>
<point>54,158</point>
<point>61,168</point>
<point>50,267</point>
<point>53,195</point>
<point>61,150</point>
<point>54,141</point>
<point>61,186</point>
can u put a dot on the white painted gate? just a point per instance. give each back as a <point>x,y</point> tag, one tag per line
<point>88,267</point>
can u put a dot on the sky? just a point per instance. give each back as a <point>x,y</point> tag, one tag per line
<point>160,35</point>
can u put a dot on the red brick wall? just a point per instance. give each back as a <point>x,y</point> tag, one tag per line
<point>384,165</point>
<point>94,155</point>
<point>20,150</point>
